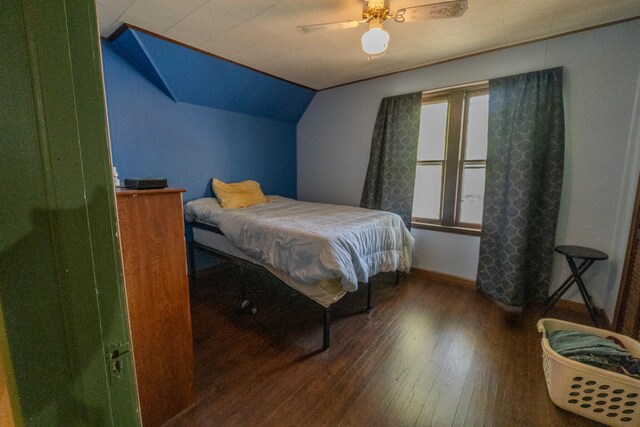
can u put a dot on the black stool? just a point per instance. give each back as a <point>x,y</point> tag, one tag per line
<point>588,257</point>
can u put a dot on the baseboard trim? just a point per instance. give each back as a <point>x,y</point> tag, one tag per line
<point>444,277</point>
<point>471,284</point>
<point>564,304</point>
<point>580,307</point>
<point>605,318</point>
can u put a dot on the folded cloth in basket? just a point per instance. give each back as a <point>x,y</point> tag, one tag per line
<point>594,350</point>
<point>573,343</point>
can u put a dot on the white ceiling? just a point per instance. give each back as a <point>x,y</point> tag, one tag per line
<point>262,33</point>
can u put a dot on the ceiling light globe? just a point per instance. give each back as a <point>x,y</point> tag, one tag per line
<point>375,41</point>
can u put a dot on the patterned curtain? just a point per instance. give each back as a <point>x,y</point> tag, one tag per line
<point>523,184</point>
<point>391,173</point>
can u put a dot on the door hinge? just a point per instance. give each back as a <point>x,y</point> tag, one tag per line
<point>114,352</point>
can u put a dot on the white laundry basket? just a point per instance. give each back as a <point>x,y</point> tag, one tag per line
<point>598,394</point>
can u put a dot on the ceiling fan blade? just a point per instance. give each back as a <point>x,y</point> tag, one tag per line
<point>343,25</point>
<point>447,9</point>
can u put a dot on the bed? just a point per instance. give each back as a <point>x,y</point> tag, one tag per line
<point>322,251</point>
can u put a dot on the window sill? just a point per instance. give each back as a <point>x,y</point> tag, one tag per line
<point>447,229</point>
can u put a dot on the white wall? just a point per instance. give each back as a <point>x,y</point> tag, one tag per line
<point>601,69</point>
<point>624,210</point>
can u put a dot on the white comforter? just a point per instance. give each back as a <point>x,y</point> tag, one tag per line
<point>313,241</point>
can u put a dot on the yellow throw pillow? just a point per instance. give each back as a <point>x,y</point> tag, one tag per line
<point>238,194</point>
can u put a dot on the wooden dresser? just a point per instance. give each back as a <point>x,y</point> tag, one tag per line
<point>151,227</point>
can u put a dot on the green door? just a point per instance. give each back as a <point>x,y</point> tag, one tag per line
<point>61,285</point>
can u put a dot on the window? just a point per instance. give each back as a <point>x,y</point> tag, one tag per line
<point>452,153</point>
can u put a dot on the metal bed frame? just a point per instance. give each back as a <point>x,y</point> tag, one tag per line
<point>193,245</point>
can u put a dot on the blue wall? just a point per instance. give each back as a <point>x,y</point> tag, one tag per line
<point>190,76</point>
<point>151,135</point>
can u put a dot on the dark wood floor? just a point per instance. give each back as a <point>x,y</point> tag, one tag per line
<point>429,354</point>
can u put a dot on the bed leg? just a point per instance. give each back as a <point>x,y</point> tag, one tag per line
<point>326,328</point>
<point>192,264</point>
<point>243,285</point>
<point>369,307</point>
<point>397,276</point>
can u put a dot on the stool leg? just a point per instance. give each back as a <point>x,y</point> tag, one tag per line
<point>583,290</point>
<point>587,299</point>
<point>553,298</point>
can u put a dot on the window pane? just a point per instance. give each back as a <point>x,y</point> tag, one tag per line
<point>426,195</point>
<point>477,127</point>
<point>433,126</point>
<point>472,194</point>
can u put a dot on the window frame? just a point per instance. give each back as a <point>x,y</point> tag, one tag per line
<point>454,161</point>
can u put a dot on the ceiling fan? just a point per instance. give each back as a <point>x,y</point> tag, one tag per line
<point>375,12</point>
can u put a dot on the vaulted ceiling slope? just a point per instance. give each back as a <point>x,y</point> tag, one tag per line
<point>189,76</point>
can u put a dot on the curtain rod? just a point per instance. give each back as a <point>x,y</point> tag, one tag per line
<point>440,89</point>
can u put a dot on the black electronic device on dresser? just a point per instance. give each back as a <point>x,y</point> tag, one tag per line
<point>145,183</point>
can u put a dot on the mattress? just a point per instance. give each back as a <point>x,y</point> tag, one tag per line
<point>324,292</point>
<point>310,245</point>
